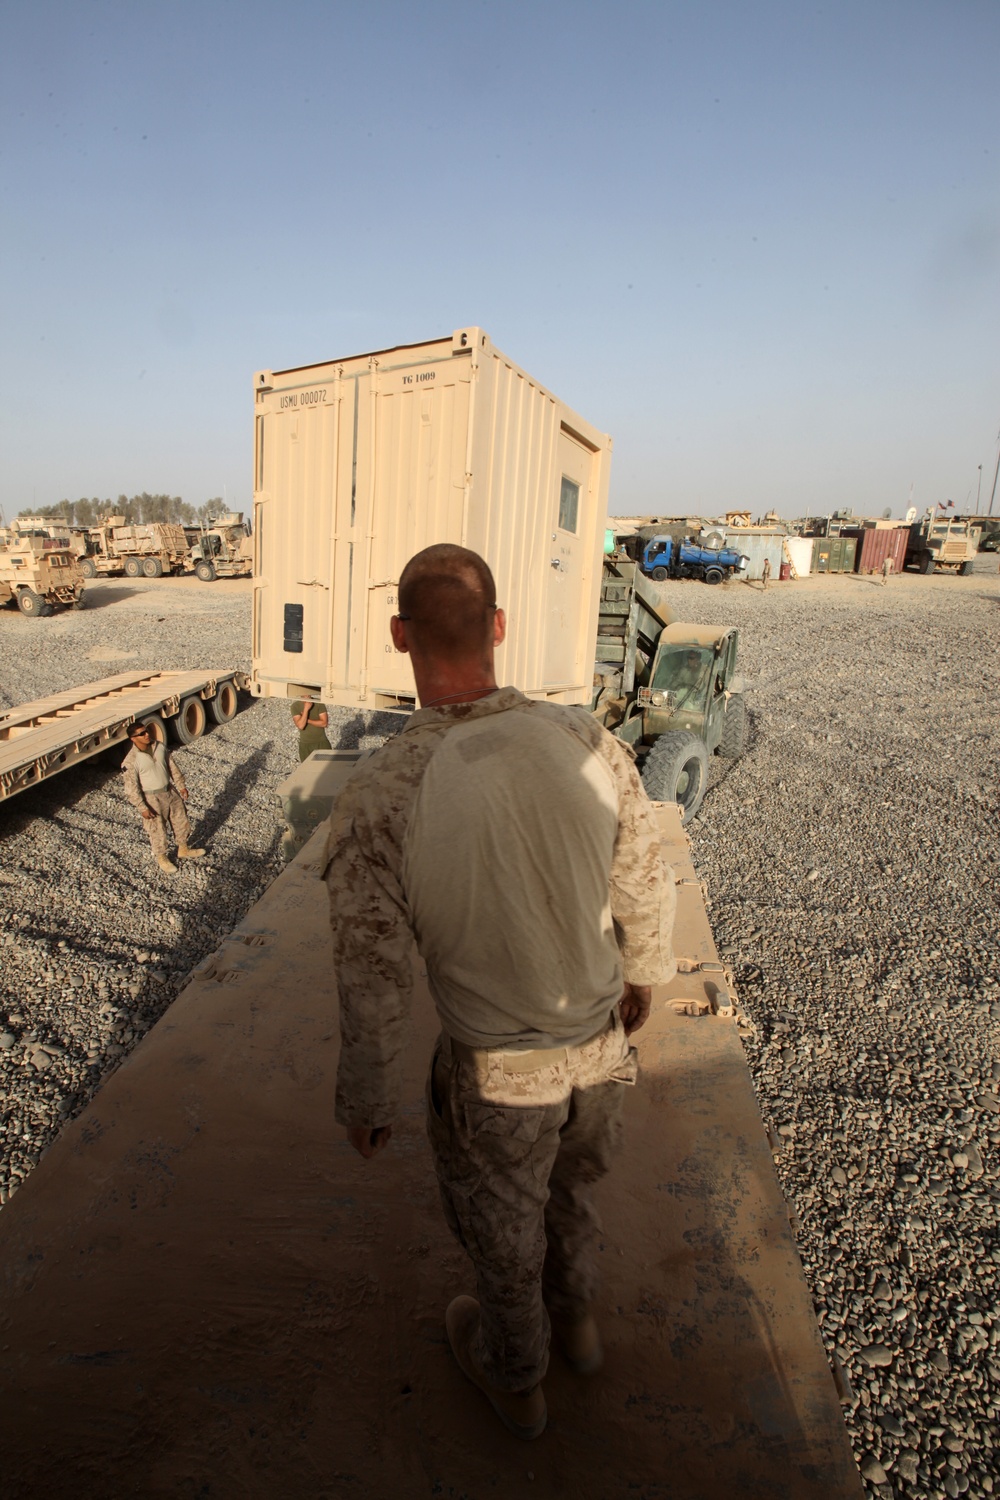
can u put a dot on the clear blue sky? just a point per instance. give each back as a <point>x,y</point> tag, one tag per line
<point>758,244</point>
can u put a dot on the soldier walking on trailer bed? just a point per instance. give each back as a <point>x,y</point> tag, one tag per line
<point>514,842</point>
<point>155,785</point>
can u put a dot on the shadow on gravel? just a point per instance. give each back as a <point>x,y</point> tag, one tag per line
<point>234,790</point>
<point>94,600</point>
<point>50,798</point>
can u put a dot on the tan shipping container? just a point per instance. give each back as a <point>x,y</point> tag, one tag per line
<point>361,462</point>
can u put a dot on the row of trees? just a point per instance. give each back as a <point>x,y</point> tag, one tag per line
<point>138,510</point>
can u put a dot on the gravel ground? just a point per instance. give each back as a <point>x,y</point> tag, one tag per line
<point>851,858</point>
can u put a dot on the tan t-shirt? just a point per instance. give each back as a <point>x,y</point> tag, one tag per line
<point>515,842</point>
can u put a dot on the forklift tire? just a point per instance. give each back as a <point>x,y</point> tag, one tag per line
<point>659,575</point>
<point>734,729</point>
<point>676,770</point>
<point>714,575</point>
<point>87,568</point>
<point>205,571</point>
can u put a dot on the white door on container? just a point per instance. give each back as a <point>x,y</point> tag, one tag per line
<point>572,523</point>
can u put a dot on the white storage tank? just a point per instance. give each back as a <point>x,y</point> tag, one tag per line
<point>362,461</point>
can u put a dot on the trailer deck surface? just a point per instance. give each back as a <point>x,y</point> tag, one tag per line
<point>208,1293</point>
<point>39,739</point>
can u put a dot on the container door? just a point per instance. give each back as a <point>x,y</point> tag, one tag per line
<point>419,451</point>
<point>568,563</point>
<point>300,493</point>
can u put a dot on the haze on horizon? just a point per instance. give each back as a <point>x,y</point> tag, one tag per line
<point>759,245</point>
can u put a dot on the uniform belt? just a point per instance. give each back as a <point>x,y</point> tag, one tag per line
<point>528,1060</point>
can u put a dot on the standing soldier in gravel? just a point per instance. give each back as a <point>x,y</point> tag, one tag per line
<point>765,573</point>
<point>154,784</point>
<point>513,841</point>
<point>886,570</point>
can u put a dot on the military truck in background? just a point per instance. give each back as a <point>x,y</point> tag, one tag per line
<point>223,549</point>
<point>39,578</point>
<point>668,688</point>
<point>947,542</point>
<point>113,547</point>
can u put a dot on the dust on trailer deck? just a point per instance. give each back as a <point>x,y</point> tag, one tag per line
<point>39,739</point>
<point>209,1293</point>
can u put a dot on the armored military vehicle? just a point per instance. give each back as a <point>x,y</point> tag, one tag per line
<point>39,578</point>
<point>946,542</point>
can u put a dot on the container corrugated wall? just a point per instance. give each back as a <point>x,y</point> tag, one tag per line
<point>757,545</point>
<point>362,462</point>
<point>833,554</point>
<point>876,543</point>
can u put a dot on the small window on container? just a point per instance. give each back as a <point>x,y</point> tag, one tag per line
<point>569,504</point>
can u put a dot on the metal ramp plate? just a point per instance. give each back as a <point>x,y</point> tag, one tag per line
<point>208,1293</point>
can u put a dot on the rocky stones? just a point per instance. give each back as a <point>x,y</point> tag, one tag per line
<point>892,964</point>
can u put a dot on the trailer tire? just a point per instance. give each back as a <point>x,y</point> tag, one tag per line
<point>205,571</point>
<point>714,575</point>
<point>87,568</point>
<point>30,603</point>
<point>224,705</point>
<point>152,568</point>
<point>189,723</point>
<point>676,770</point>
<point>155,722</point>
<point>659,575</point>
<point>132,567</point>
<point>965,570</point>
<point>734,729</point>
<point>927,563</point>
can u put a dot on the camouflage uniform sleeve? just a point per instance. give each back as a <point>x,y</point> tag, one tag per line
<point>372,943</point>
<point>133,790</point>
<point>643,898</point>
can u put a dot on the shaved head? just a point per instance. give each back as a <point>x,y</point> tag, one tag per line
<point>448,599</point>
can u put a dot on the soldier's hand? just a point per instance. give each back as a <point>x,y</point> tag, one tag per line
<point>634,1006</point>
<point>368,1141</point>
<point>148,812</point>
<point>184,793</point>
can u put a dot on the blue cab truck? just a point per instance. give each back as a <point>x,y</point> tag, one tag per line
<point>665,557</point>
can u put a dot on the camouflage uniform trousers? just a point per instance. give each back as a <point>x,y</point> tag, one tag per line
<point>169,807</point>
<point>516,1150</point>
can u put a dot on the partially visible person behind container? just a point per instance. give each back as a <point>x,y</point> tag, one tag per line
<point>310,719</point>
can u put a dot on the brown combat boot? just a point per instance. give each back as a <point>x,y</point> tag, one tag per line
<point>521,1412</point>
<point>580,1342</point>
<point>185,852</point>
<point>166,865</point>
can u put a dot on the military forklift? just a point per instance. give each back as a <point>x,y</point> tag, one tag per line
<point>670,689</point>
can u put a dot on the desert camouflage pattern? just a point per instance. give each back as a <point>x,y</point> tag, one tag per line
<point>372,931</point>
<point>168,804</point>
<point>169,808</point>
<point>516,1154</point>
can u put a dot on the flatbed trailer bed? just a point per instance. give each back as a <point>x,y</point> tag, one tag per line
<point>39,739</point>
<point>207,1292</point>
